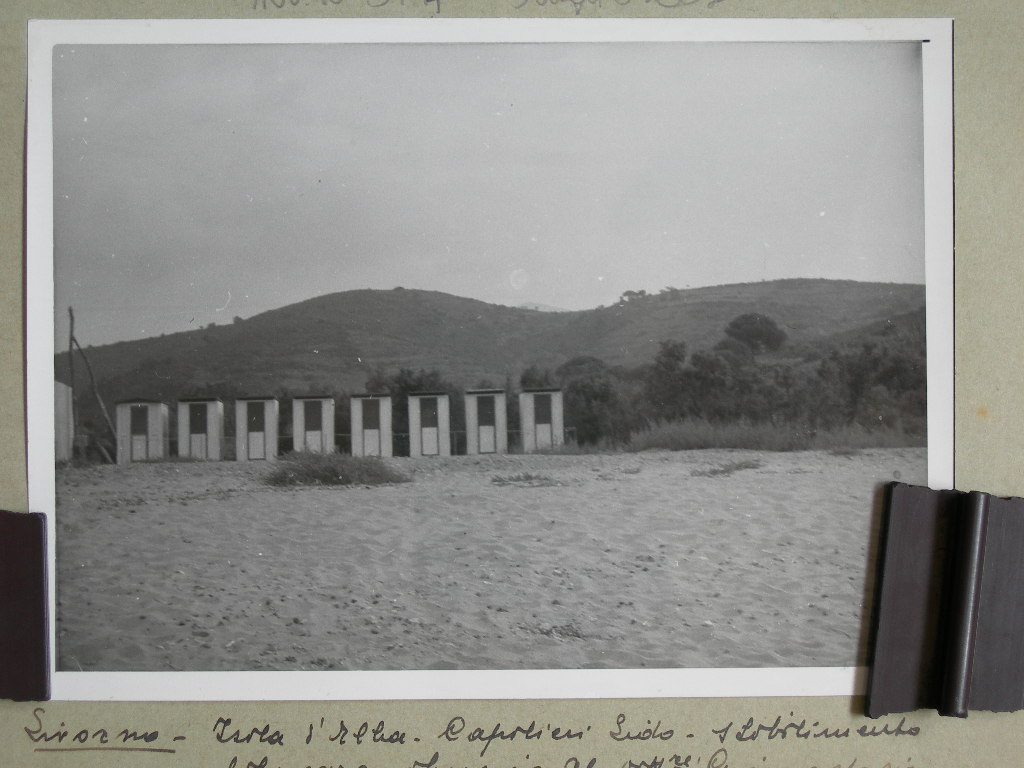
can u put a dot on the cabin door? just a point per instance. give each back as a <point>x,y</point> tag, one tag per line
<point>542,420</point>
<point>429,439</point>
<point>313,417</point>
<point>140,433</point>
<point>371,427</point>
<point>198,443</point>
<point>487,424</point>
<point>255,419</point>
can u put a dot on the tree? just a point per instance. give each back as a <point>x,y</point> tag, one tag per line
<point>581,367</point>
<point>629,296</point>
<point>757,331</point>
<point>705,385</point>
<point>735,352</point>
<point>594,402</point>
<point>874,386</point>
<point>535,377</point>
<point>663,385</point>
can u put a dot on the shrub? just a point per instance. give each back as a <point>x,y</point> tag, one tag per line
<point>727,469</point>
<point>694,434</point>
<point>332,469</point>
<point>524,478</point>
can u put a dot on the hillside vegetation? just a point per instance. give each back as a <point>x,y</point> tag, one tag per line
<point>821,353</point>
<point>336,341</point>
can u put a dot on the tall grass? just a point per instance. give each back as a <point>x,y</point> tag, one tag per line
<point>694,434</point>
<point>332,469</point>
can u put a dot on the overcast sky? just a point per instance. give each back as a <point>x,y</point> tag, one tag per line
<point>197,183</point>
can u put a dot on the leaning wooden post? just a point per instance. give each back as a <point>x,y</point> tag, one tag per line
<point>71,375</point>
<point>99,401</point>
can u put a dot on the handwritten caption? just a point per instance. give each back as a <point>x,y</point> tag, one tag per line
<point>462,742</point>
<point>577,6</point>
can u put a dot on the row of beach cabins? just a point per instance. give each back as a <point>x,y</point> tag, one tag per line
<point>143,426</point>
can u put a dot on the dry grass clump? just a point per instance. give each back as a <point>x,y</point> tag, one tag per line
<point>332,469</point>
<point>727,468</point>
<point>530,479</point>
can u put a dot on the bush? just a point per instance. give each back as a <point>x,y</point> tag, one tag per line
<point>728,468</point>
<point>526,479</point>
<point>695,434</point>
<point>332,469</point>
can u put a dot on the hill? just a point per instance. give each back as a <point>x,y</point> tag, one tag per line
<point>334,342</point>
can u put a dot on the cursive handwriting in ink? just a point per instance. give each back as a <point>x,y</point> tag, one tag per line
<point>579,5</point>
<point>264,763</point>
<point>673,761</point>
<point>752,730</point>
<point>379,734</point>
<point>886,730</point>
<point>265,5</point>
<point>64,738</point>
<point>262,735</point>
<point>799,730</point>
<point>642,734</point>
<point>457,725</point>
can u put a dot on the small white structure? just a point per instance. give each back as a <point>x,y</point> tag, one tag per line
<point>541,419</point>
<point>430,424</point>
<point>486,421</point>
<point>371,425</point>
<point>64,429</point>
<point>201,429</point>
<point>256,429</point>
<point>313,424</point>
<point>142,431</point>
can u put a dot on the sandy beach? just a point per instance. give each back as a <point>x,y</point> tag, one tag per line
<point>710,558</point>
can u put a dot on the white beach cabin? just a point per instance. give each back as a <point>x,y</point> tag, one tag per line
<point>486,421</point>
<point>256,428</point>
<point>142,431</point>
<point>313,424</point>
<point>371,425</point>
<point>201,429</point>
<point>430,424</point>
<point>63,423</point>
<point>541,419</point>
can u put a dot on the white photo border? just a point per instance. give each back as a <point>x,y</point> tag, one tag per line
<point>936,36</point>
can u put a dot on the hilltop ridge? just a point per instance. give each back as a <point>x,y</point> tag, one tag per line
<point>333,342</point>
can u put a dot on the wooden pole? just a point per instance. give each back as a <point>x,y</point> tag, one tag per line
<point>99,401</point>
<point>71,376</point>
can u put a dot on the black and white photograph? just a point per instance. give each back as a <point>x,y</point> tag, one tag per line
<point>464,355</point>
